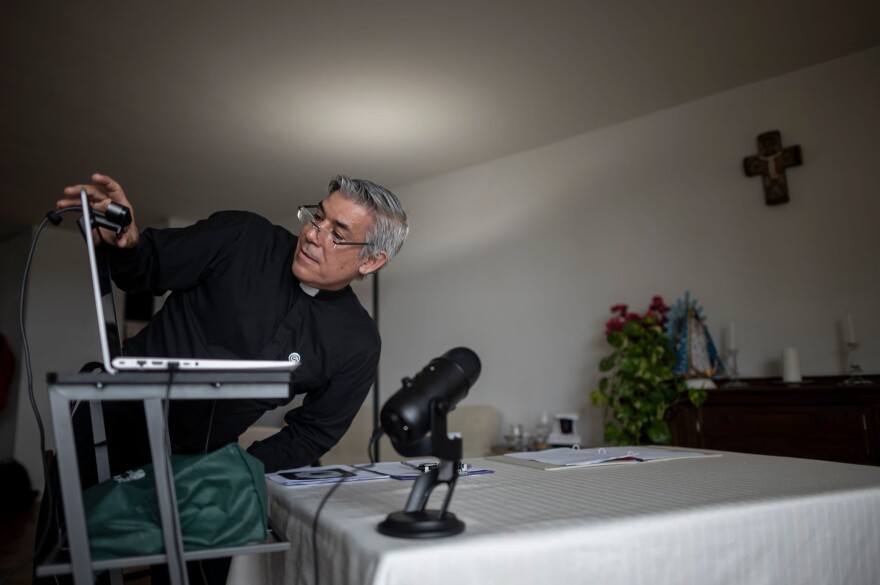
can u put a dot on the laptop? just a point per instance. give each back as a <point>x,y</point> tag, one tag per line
<point>108,330</point>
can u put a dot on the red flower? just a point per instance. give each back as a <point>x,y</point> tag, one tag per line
<point>621,308</point>
<point>615,324</point>
<point>655,315</point>
<point>658,306</point>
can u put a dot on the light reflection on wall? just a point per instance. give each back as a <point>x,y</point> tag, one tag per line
<point>347,111</point>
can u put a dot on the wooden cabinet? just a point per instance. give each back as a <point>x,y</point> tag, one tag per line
<point>816,419</point>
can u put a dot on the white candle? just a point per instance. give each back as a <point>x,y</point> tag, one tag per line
<point>791,365</point>
<point>731,336</point>
<point>850,330</point>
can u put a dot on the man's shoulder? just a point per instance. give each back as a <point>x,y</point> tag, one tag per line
<point>347,308</point>
<point>346,300</point>
<point>236,216</point>
<point>247,223</point>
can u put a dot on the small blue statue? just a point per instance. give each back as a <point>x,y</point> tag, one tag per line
<point>696,356</point>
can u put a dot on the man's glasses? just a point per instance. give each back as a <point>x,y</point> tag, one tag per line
<point>308,218</point>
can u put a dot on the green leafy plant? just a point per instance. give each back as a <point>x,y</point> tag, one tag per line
<point>638,383</point>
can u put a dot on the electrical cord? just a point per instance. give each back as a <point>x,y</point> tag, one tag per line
<point>374,438</point>
<point>166,461</point>
<point>207,442</point>
<point>53,217</point>
<point>210,425</point>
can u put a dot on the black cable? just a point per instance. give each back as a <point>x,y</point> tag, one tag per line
<point>210,424</point>
<point>207,442</point>
<point>166,461</point>
<point>315,527</point>
<point>374,443</point>
<point>55,218</point>
<point>370,450</point>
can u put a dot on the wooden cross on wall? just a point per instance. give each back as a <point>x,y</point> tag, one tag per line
<point>771,162</point>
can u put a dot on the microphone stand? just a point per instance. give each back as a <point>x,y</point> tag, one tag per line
<point>414,521</point>
<point>376,404</point>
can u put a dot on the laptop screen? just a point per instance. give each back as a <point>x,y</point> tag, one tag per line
<point>108,329</point>
<point>105,305</point>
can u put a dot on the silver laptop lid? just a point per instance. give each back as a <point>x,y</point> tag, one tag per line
<point>108,327</point>
<point>108,330</point>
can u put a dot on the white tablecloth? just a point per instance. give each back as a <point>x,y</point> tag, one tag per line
<point>735,519</point>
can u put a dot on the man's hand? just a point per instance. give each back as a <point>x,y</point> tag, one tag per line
<point>100,193</point>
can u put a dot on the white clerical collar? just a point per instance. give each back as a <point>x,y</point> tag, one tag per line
<point>311,291</point>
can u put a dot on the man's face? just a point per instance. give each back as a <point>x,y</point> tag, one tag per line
<point>321,264</point>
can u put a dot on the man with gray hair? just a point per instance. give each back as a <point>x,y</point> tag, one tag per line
<point>244,288</point>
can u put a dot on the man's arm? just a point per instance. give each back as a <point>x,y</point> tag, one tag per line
<point>315,427</point>
<point>178,258</point>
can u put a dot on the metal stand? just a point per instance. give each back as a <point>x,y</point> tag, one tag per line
<point>854,370</point>
<point>733,379</point>
<point>415,521</point>
<point>151,389</point>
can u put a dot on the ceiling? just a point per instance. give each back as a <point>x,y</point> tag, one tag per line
<point>202,105</point>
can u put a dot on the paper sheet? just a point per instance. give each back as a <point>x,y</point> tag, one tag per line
<point>566,456</point>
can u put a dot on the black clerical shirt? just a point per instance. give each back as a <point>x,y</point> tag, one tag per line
<point>234,295</point>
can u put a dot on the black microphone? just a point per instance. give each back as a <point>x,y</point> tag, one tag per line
<point>118,214</point>
<point>116,218</point>
<point>445,381</point>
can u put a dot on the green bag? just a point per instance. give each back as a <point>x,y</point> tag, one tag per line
<point>221,498</point>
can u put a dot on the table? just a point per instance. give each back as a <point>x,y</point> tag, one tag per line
<point>734,519</point>
<point>151,388</point>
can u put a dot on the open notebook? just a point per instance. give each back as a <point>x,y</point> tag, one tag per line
<point>111,347</point>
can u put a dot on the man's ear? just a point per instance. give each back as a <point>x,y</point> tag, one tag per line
<point>373,263</point>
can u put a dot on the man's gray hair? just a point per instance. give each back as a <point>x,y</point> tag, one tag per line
<point>389,228</point>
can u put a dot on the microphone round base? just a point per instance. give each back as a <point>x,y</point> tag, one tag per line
<point>422,524</point>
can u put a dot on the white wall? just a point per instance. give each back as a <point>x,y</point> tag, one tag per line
<point>520,258</point>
